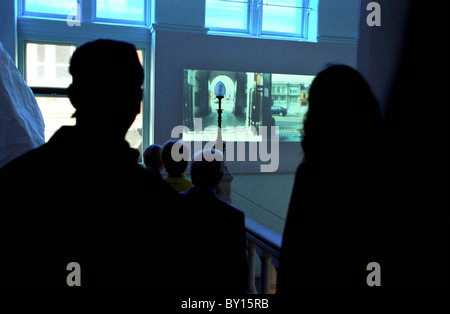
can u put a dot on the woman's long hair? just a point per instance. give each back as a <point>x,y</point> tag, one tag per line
<point>343,120</point>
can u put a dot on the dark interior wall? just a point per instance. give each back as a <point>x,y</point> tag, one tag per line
<point>406,63</point>
<point>380,47</point>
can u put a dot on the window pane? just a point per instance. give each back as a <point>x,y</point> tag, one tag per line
<point>62,7</point>
<point>283,16</point>
<point>140,54</point>
<point>130,10</point>
<point>57,111</point>
<point>134,134</point>
<point>225,14</point>
<point>48,65</point>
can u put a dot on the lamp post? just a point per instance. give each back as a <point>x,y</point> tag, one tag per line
<point>223,189</point>
<point>219,91</point>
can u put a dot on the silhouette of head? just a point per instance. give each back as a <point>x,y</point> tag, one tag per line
<point>207,168</point>
<point>107,85</point>
<point>175,161</point>
<point>152,157</point>
<point>343,119</point>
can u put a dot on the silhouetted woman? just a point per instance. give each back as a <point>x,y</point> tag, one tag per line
<point>332,223</point>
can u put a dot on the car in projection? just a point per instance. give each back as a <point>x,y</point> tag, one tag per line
<point>278,110</point>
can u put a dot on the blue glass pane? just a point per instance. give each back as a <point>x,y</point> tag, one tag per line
<point>62,7</point>
<point>130,10</point>
<point>225,14</point>
<point>282,16</point>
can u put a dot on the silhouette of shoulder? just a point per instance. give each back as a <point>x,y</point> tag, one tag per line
<point>215,234</point>
<point>79,209</point>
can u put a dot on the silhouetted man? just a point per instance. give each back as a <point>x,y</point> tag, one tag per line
<point>82,197</point>
<point>216,231</point>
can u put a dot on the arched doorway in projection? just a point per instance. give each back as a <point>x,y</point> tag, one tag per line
<point>229,99</point>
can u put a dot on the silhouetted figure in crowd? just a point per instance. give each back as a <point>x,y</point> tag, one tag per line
<point>152,160</point>
<point>334,221</point>
<point>63,204</point>
<point>216,232</point>
<point>175,166</point>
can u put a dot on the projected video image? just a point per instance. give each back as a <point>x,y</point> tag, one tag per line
<point>252,100</point>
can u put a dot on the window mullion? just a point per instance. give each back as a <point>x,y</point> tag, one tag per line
<point>87,10</point>
<point>300,15</point>
<point>304,18</point>
<point>259,9</point>
<point>255,17</point>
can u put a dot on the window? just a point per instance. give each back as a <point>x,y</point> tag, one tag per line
<point>134,134</point>
<point>283,16</point>
<point>124,10</point>
<point>53,8</point>
<point>48,65</point>
<point>47,71</point>
<point>57,112</point>
<point>46,42</point>
<point>110,11</point>
<point>287,18</point>
<point>227,14</point>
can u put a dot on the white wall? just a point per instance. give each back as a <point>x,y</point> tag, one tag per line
<point>182,43</point>
<point>176,51</point>
<point>264,197</point>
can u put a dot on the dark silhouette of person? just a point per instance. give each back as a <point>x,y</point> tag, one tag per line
<point>216,233</point>
<point>417,140</point>
<point>136,153</point>
<point>63,203</point>
<point>152,160</point>
<point>176,165</point>
<point>333,223</point>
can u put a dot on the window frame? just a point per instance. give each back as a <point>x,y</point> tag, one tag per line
<point>38,15</point>
<point>301,32</point>
<point>146,21</point>
<point>43,90</point>
<point>245,30</point>
<point>255,10</point>
<point>53,30</point>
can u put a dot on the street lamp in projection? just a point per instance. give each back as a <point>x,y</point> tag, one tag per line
<point>223,189</point>
<point>219,91</point>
